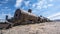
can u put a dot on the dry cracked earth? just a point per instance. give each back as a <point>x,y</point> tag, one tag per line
<point>41,28</point>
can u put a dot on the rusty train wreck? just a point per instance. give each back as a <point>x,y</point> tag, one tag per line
<point>22,17</point>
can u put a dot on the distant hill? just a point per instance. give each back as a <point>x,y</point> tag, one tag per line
<point>2,20</point>
<point>57,20</point>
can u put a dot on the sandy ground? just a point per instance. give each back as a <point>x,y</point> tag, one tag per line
<point>42,28</point>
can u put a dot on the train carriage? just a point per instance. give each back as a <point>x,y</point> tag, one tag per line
<point>23,17</point>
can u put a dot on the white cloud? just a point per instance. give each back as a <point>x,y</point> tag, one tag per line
<point>33,5</point>
<point>40,4</point>
<point>37,5</point>
<point>50,0</point>
<point>4,15</point>
<point>55,16</point>
<point>18,3</point>
<point>58,17</point>
<point>5,1</point>
<point>50,4</point>
<point>27,3</point>
<point>45,6</point>
<point>5,9</point>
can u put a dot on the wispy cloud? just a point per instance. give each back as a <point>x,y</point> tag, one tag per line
<point>18,3</point>
<point>27,3</point>
<point>50,5</point>
<point>37,5</point>
<point>3,15</point>
<point>55,16</point>
<point>5,11</point>
<point>3,2</point>
<point>50,0</point>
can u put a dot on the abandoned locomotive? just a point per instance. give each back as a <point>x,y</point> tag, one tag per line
<point>23,17</point>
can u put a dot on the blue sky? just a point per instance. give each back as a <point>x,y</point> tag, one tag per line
<point>46,8</point>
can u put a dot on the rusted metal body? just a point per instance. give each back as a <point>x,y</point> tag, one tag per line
<point>5,25</point>
<point>23,17</point>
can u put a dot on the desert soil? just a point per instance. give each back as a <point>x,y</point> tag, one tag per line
<point>41,28</point>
